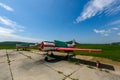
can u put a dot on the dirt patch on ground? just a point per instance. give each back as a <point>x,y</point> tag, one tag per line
<point>84,57</point>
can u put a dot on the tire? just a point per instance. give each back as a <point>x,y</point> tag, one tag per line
<point>46,58</point>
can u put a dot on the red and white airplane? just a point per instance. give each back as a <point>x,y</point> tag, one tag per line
<point>63,46</point>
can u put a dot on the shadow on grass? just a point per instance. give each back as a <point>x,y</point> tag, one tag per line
<point>56,58</point>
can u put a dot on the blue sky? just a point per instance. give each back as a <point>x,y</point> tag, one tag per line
<point>86,21</point>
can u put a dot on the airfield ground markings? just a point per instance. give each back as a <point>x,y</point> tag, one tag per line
<point>12,55</point>
<point>23,53</point>
<point>57,67</point>
<point>37,56</point>
<point>3,56</point>
<point>33,54</point>
<point>4,68</point>
<point>5,72</point>
<point>28,55</point>
<point>15,55</point>
<point>84,73</point>
<point>63,69</point>
<point>9,64</point>
<point>71,75</point>
<point>33,69</point>
<point>22,69</point>
<point>63,72</point>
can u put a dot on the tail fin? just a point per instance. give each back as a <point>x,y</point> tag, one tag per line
<point>73,43</point>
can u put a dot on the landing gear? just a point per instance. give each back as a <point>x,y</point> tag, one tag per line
<point>46,58</point>
<point>67,56</point>
<point>52,55</point>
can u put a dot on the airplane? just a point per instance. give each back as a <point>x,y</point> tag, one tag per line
<point>25,46</point>
<point>62,46</point>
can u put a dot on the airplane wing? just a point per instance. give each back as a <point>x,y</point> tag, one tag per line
<point>22,45</point>
<point>78,49</point>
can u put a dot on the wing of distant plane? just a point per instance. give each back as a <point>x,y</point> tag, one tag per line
<point>22,45</point>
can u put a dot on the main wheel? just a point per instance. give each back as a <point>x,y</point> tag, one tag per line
<point>52,55</point>
<point>66,57</point>
<point>46,58</point>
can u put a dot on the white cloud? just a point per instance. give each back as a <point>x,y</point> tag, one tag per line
<point>103,32</point>
<point>115,28</point>
<point>92,8</point>
<point>8,8</point>
<point>10,23</point>
<point>107,32</point>
<point>8,35</point>
<point>111,28</point>
<point>5,30</point>
<point>13,37</point>
<point>117,22</point>
<point>119,34</point>
<point>114,8</point>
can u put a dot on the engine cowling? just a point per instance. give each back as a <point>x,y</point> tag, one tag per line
<point>46,46</point>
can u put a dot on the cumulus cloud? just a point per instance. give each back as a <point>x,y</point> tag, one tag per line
<point>94,7</point>
<point>6,7</point>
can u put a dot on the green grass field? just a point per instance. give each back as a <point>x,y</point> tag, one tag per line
<point>109,51</point>
<point>7,46</point>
